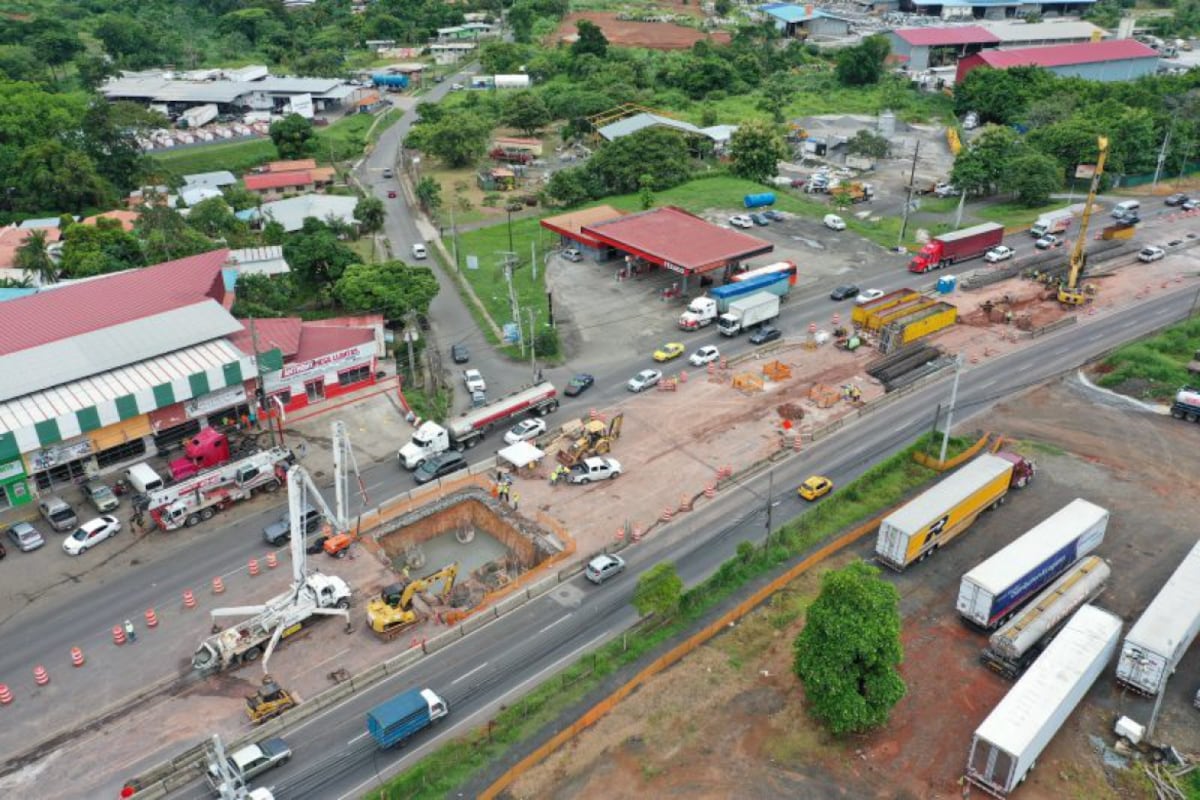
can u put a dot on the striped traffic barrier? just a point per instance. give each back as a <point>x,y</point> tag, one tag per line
<point>218,585</point>
<point>272,561</point>
<point>77,656</point>
<point>6,695</point>
<point>118,635</point>
<point>40,676</point>
<point>189,599</point>
<point>710,491</point>
<point>666,514</point>
<point>151,618</point>
<point>253,567</point>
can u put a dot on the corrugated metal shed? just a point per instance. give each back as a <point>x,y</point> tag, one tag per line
<point>98,388</point>
<point>37,368</point>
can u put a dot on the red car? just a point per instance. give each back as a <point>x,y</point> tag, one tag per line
<point>391,194</point>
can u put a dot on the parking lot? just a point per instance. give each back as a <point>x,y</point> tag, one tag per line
<point>1137,466</point>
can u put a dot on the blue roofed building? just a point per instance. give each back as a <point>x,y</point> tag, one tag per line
<point>804,22</point>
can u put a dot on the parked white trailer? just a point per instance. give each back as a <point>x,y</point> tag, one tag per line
<point>992,591</point>
<point>1006,746</point>
<point>1014,647</point>
<point>1164,632</point>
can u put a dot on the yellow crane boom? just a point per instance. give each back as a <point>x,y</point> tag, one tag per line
<point>1069,293</point>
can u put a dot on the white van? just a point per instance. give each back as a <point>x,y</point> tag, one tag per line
<point>1126,207</point>
<point>144,479</point>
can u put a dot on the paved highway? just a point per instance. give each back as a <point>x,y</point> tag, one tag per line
<point>333,755</point>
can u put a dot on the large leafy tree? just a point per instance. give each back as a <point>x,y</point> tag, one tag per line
<point>755,151</point>
<point>96,249</point>
<point>166,236</point>
<point>370,213</point>
<point>661,153</point>
<point>1032,177</point>
<point>292,136</point>
<point>849,652</point>
<point>981,166</point>
<point>316,256</point>
<point>458,139</point>
<point>862,65</point>
<point>391,288</point>
<point>590,40</point>
<point>526,112</point>
<point>51,175</point>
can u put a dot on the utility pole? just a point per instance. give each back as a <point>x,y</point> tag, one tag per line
<point>958,362</point>
<point>1162,151</point>
<point>261,389</point>
<point>410,321</point>
<point>962,201</point>
<point>770,492</point>
<point>532,345</point>
<point>533,258</point>
<point>454,238</point>
<point>908,199</point>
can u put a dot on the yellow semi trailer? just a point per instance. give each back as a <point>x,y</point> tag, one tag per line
<point>933,518</point>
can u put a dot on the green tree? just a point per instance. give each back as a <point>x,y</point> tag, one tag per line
<point>20,63</point>
<point>849,652</point>
<point>868,143</point>
<point>520,19</point>
<point>316,256</point>
<point>292,136</point>
<point>215,219</point>
<point>52,175</point>
<point>755,150</point>
<point>93,70</point>
<point>646,193</point>
<point>265,296</point>
<point>662,153</point>
<point>33,258</point>
<point>1032,177</point>
<point>572,187</point>
<point>429,194</point>
<point>55,43</point>
<point>526,112</point>
<point>659,591</point>
<point>370,213</point>
<point>97,249</point>
<point>590,40</point>
<point>979,168</point>
<point>391,288</point>
<point>458,140</point>
<point>109,137</point>
<point>774,99</point>
<point>862,65</point>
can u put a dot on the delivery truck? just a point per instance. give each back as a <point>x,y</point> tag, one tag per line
<point>1006,746</point>
<point>993,591</point>
<point>746,312</point>
<point>392,722</point>
<point>1014,647</point>
<point>469,428</point>
<point>1187,404</point>
<point>1164,632</point>
<point>706,309</point>
<point>936,516</point>
<point>1052,222</point>
<point>950,248</point>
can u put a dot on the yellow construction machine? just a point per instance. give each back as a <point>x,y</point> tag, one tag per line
<point>1069,292</point>
<point>595,439</point>
<point>392,612</point>
<point>268,702</point>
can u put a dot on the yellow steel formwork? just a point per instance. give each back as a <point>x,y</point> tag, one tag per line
<point>861,312</point>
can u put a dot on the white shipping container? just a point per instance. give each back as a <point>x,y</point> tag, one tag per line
<point>1164,632</point>
<point>993,590</point>
<point>1008,743</point>
<point>896,531</point>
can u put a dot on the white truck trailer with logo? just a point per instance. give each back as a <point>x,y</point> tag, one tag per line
<point>1052,222</point>
<point>1164,632</point>
<point>991,592</point>
<point>1006,746</point>
<point>746,312</point>
<point>1013,648</point>
<point>468,429</point>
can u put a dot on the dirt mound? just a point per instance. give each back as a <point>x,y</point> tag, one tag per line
<point>651,35</point>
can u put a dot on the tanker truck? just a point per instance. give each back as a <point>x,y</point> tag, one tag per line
<point>1187,404</point>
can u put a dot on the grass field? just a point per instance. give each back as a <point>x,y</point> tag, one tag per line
<point>341,141</point>
<point>1155,368</point>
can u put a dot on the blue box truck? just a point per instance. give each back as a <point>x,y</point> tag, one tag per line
<point>392,722</point>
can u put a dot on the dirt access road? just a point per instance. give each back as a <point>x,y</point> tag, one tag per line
<point>730,720</point>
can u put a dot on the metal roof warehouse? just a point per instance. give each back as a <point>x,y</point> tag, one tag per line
<point>672,238</point>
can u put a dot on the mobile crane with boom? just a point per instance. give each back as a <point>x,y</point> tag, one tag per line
<point>1069,293</point>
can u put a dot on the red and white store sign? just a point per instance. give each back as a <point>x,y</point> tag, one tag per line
<point>304,371</point>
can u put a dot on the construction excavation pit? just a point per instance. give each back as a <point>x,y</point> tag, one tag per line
<point>450,555</point>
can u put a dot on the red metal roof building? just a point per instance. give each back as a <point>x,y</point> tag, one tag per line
<point>570,226</point>
<point>672,238</point>
<point>949,36</point>
<point>1111,60</point>
<point>921,48</point>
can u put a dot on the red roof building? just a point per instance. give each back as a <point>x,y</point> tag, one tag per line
<point>12,237</point>
<point>1111,60</point>
<point>569,226</point>
<point>949,36</point>
<point>672,238</point>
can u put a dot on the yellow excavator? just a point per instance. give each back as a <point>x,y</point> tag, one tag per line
<point>595,439</point>
<point>392,612</point>
<point>1069,293</point>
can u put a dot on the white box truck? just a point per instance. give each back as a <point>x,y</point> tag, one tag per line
<point>991,592</point>
<point>746,312</point>
<point>1006,746</point>
<point>1164,632</point>
<point>1052,222</point>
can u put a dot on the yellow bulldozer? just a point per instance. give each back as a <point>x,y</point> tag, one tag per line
<point>268,702</point>
<point>392,612</point>
<point>595,438</point>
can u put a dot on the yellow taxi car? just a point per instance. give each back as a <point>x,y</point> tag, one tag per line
<point>669,351</point>
<point>815,488</point>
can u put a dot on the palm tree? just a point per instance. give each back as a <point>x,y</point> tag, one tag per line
<point>33,257</point>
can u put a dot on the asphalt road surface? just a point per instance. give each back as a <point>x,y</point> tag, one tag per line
<point>334,757</point>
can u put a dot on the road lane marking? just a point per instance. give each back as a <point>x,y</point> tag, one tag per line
<point>989,383</point>
<point>362,735</point>
<point>466,675</point>
<point>552,624</point>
